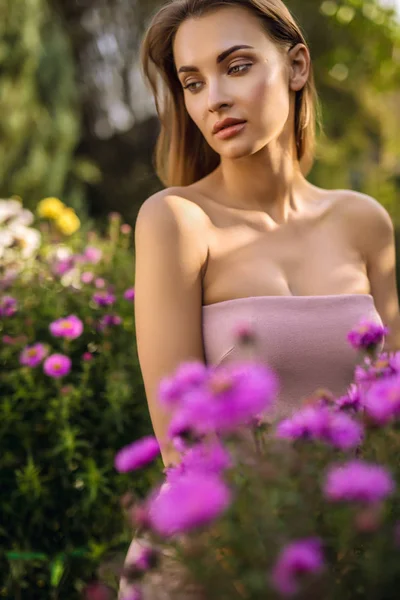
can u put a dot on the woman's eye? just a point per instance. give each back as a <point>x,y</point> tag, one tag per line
<point>240,68</point>
<point>232,70</point>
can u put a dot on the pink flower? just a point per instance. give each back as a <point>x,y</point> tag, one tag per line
<point>296,559</point>
<point>57,365</point>
<point>60,267</point>
<point>367,335</point>
<point>92,255</point>
<point>129,294</point>
<point>358,481</point>
<point>192,501</point>
<point>32,356</point>
<point>87,277</point>
<point>69,327</point>
<point>125,229</point>
<point>137,455</point>
<point>99,283</point>
<point>87,356</point>
<point>8,306</point>
<point>103,298</point>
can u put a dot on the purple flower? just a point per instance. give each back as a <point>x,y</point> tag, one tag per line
<point>69,327</point>
<point>188,376</point>
<point>209,457</point>
<point>103,298</point>
<point>137,455</point>
<point>351,400</point>
<point>8,306</point>
<point>385,365</point>
<point>109,321</point>
<point>129,294</point>
<point>322,424</point>
<point>231,396</point>
<point>87,277</point>
<point>343,432</point>
<point>367,335</point>
<point>192,501</point>
<point>299,558</point>
<point>358,481</point>
<point>147,558</point>
<point>57,365</point>
<point>60,267</point>
<point>307,423</point>
<point>381,401</point>
<point>32,356</point>
<point>92,255</point>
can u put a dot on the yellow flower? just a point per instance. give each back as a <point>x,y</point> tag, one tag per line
<point>68,222</point>
<point>50,208</point>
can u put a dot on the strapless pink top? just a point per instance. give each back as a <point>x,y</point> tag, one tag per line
<point>302,338</point>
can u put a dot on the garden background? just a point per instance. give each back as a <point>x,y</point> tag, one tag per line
<point>78,124</point>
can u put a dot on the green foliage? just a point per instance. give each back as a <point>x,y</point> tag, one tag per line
<point>355,47</point>
<point>60,494</point>
<point>39,104</point>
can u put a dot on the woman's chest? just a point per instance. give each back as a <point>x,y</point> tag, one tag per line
<point>303,258</point>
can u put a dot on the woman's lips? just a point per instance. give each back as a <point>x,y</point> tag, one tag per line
<point>231,131</point>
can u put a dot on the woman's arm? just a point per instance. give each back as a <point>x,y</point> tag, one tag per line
<point>376,229</point>
<point>170,251</point>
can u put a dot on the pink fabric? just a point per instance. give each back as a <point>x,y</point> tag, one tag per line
<point>302,338</point>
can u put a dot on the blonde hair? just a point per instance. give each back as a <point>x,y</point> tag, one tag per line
<point>182,154</point>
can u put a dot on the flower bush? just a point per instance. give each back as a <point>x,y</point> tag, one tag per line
<point>71,396</point>
<point>306,507</point>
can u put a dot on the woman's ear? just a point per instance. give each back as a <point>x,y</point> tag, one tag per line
<point>299,69</point>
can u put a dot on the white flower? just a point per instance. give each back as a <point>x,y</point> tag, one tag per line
<point>25,217</point>
<point>28,239</point>
<point>9,209</point>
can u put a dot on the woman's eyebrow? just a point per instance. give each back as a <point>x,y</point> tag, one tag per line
<point>220,58</point>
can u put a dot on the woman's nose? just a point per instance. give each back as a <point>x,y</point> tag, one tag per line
<point>218,98</point>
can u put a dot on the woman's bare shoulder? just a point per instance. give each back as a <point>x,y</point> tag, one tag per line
<point>178,203</point>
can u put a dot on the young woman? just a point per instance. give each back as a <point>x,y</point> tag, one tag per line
<point>239,234</point>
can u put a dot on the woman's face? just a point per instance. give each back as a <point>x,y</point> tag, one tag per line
<point>250,83</point>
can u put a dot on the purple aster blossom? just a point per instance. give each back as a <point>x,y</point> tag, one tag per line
<point>351,401</point>
<point>129,294</point>
<point>109,321</point>
<point>87,356</point>
<point>297,559</point>
<point>385,365</point>
<point>8,306</point>
<point>394,361</point>
<point>137,455</point>
<point>62,266</point>
<point>358,481</point>
<point>343,432</point>
<point>69,327</point>
<point>381,401</point>
<point>32,356</point>
<point>92,255</point>
<point>103,298</point>
<point>322,424</point>
<point>57,365</point>
<point>232,396</point>
<point>310,422</point>
<point>87,277</point>
<point>187,377</point>
<point>191,501</point>
<point>208,457</point>
<point>367,335</point>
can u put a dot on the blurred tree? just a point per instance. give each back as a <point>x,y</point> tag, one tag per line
<point>355,46</point>
<point>39,105</point>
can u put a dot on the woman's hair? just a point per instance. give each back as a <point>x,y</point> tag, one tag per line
<point>182,155</point>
